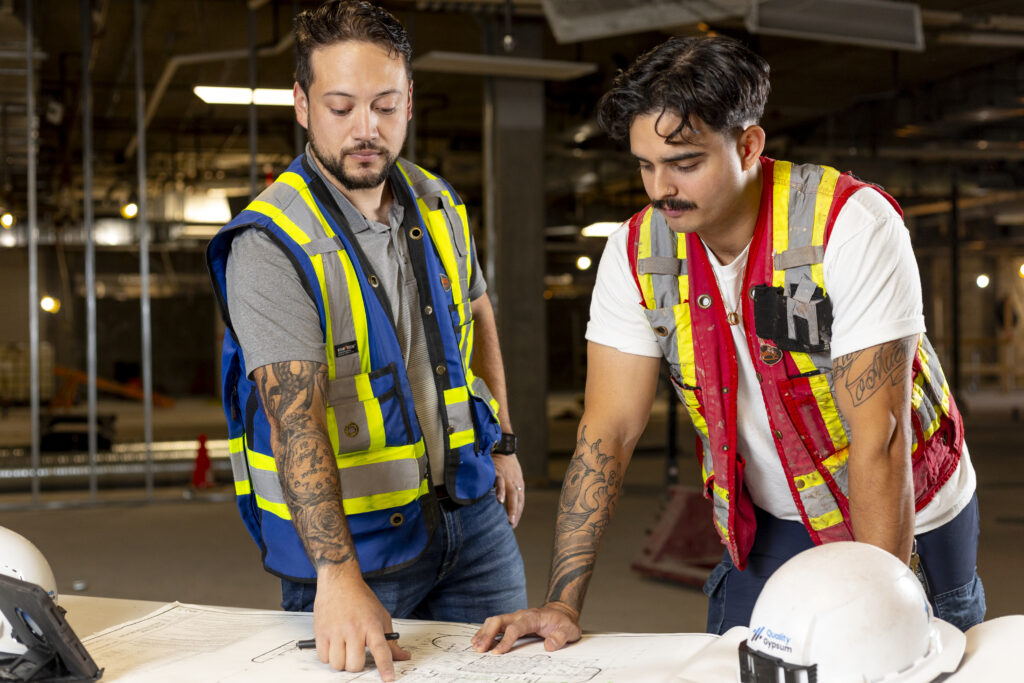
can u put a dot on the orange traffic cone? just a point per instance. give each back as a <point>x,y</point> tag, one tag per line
<point>202,474</point>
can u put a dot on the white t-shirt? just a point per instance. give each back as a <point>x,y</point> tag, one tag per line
<point>872,279</point>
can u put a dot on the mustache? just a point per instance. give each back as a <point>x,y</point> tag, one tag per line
<point>364,147</point>
<point>673,204</point>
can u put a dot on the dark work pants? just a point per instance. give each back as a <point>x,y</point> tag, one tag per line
<point>948,556</point>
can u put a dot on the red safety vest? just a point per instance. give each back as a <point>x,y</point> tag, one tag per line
<point>799,205</point>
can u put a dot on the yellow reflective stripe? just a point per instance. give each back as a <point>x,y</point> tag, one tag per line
<point>384,501</point>
<point>917,391</point>
<point>930,429</point>
<point>722,529</point>
<point>837,459</point>
<point>829,411</point>
<point>644,251</point>
<point>826,520</point>
<point>460,439</point>
<point>780,216</point>
<point>278,509</point>
<point>374,416</point>
<point>355,295</point>
<point>822,206</point>
<point>684,280</point>
<point>243,488</point>
<point>722,493</point>
<point>332,429</point>
<point>831,463</point>
<point>278,216</point>
<point>295,181</point>
<point>388,454</point>
<point>235,445</point>
<point>261,461</point>
<point>456,395</point>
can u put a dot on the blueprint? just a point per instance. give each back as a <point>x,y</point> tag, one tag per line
<point>192,643</point>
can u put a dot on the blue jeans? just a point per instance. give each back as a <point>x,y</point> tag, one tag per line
<point>948,556</point>
<point>471,570</point>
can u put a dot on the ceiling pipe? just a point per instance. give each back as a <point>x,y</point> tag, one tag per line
<point>198,58</point>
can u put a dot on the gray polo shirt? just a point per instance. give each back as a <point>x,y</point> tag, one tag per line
<point>276,321</point>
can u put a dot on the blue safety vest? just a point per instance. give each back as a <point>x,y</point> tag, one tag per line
<point>389,503</point>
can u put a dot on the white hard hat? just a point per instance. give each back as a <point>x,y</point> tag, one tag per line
<point>22,560</point>
<point>846,613</point>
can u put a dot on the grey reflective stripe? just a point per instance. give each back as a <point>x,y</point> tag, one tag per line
<point>423,186</point>
<point>353,426</point>
<point>799,305</point>
<point>460,418</point>
<point>799,256</point>
<point>341,390</point>
<point>290,202</point>
<point>818,500</point>
<point>479,387</point>
<point>356,482</point>
<point>464,309</point>
<point>804,180</point>
<point>382,477</point>
<point>661,265</point>
<point>663,245</point>
<point>239,470</point>
<point>266,485</point>
<point>343,329</point>
<point>324,245</point>
<point>665,318</point>
<point>721,506</point>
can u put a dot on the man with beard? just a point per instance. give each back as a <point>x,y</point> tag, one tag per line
<point>372,450</point>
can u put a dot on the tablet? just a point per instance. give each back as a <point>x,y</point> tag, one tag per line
<point>53,652</point>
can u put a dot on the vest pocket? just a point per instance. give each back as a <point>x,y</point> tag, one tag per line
<point>367,411</point>
<point>814,420</point>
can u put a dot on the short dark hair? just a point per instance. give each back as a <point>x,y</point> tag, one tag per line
<point>715,79</point>
<point>339,20</point>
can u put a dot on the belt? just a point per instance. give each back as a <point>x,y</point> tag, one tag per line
<point>445,500</point>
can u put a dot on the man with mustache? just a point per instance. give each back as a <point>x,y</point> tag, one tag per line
<point>786,300</point>
<point>372,450</point>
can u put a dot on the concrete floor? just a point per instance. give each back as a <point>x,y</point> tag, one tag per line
<point>193,548</point>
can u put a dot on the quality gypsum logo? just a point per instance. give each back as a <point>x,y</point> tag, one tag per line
<point>771,640</point>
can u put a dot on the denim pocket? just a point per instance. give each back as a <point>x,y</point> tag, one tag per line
<point>714,588</point>
<point>963,607</point>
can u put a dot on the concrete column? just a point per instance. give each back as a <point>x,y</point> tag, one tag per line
<point>517,286</point>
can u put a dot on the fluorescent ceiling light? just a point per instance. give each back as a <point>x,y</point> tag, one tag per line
<point>280,97</point>
<point>471,64</point>
<point>600,229</point>
<point>207,208</point>
<point>873,23</point>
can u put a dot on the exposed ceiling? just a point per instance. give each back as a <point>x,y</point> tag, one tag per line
<point>912,121</point>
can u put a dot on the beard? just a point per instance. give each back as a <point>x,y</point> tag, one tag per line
<point>368,179</point>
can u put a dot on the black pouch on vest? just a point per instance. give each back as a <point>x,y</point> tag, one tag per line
<point>800,322</point>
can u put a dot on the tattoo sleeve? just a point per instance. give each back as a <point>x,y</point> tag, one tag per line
<point>294,395</point>
<point>589,494</point>
<point>864,373</point>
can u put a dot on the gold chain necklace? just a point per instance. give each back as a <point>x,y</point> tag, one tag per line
<point>733,316</point>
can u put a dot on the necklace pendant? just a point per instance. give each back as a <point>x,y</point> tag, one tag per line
<point>733,317</point>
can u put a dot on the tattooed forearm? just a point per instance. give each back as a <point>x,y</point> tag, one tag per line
<point>886,367</point>
<point>294,395</point>
<point>588,499</point>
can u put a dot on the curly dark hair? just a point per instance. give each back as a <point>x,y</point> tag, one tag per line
<point>715,79</point>
<point>339,20</point>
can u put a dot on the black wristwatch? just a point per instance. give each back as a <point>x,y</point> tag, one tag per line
<point>506,445</point>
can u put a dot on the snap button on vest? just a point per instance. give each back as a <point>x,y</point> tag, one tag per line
<point>725,447</point>
<point>415,233</point>
<point>428,310</point>
<point>800,483</point>
<point>440,369</point>
<point>704,301</point>
<point>450,430</point>
<point>778,434</point>
<point>373,280</point>
<point>750,293</point>
<point>351,429</point>
<point>397,519</point>
<point>661,330</point>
